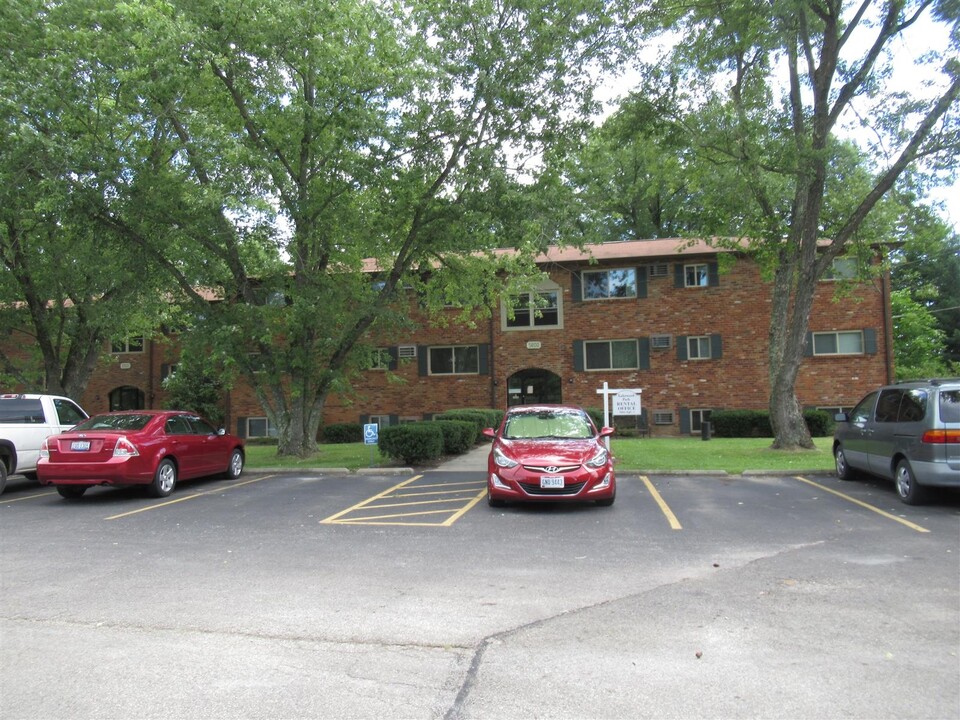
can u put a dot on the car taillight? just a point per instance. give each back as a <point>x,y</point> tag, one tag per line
<point>44,449</point>
<point>125,448</point>
<point>941,437</point>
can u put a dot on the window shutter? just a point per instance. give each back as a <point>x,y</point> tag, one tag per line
<point>641,282</point>
<point>394,357</point>
<point>713,274</point>
<point>576,286</point>
<point>681,347</point>
<point>808,345</point>
<point>364,419</point>
<point>241,427</point>
<point>684,421</point>
<point>716,347</point>
<point>869,341</point>
<point>484,359</point>
<point>394,419</point>
<point>678,275</point>
<point>578,355</point>
<point>422,360</point>
<point>644,347</point>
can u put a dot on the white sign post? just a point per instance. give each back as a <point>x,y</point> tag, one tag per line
<point>625,402</point>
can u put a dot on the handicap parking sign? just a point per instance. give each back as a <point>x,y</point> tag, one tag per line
<point>370,433</point>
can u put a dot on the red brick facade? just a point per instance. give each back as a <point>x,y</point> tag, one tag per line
<point>728,317</point>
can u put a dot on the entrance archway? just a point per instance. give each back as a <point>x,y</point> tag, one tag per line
<point>534,385</point>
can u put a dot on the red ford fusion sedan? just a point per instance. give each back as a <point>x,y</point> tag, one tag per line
<point>549,453</point>
<point>155,448</point>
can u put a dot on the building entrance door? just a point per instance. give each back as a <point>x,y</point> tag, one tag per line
<point>534,385</point>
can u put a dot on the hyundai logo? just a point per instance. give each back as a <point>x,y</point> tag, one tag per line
<point>552,469</point>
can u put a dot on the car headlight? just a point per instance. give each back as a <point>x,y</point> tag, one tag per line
<point>502,460</point>
<point>598,460</point>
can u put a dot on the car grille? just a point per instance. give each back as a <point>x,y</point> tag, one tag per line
<point>551,469</point>
<point>535,489</point>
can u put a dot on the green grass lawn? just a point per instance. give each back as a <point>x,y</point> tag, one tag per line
<point>732,455</point>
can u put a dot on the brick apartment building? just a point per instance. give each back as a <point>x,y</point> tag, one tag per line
<point>658,315</point>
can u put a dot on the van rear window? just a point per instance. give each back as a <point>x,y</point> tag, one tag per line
<point>21,410</point>
<point>950,406</point>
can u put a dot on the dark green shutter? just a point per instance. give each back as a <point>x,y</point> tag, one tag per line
<point>578,355</point>
<point>678,275</point>
<point>713,274</point>
<point>484,359</point>
<point>644,348</point>
<point>394,353</point>
<point>576,287</point>
<point>870,341</point>
<point>641,282</point>
<point>241,427</point>
<point>684,421</point>
<point>681,347</point>
<point>716,347</point>
<point>422,359</point>
<point>808,345</point>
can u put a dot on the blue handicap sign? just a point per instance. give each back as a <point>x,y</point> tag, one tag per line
<point>371,433</point>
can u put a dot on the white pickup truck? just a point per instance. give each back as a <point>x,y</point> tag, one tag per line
<point>25,420</point>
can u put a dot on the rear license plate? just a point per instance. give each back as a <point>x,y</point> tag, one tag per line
<point>80,445</point>
<point>549,481</point>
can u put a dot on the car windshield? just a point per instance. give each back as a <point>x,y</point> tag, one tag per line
<point>548,424</point>
<point>127,423</point>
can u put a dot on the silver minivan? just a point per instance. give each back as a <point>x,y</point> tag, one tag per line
<point>908,433</point>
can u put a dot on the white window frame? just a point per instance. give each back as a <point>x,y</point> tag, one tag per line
<point>270,429</point>
<point>701,343</point>
<point>381,421</point>
<point>381,360</point>
<point>608,296</point>
<point>586,355</point>
<point>700,273</point>
<point>843,268</point>
<point>453,349</point>
<point>122,347</point>
<point>531,307</point>
<point>837,335</point>
<point>698,416</point>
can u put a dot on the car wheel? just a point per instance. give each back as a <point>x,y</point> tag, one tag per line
<point>495,502</point>
<point>844,471</point>
<point>71,492</point>
<point>907,488</point>
<point>164,479</point>
<point>236,465</point>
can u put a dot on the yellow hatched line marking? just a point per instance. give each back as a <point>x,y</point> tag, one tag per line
<point>862,504</point>
<point>463,511</point>
<point>664,508</point>
<point>411,504</point>
<point>448,484</point>
<point>438,492</point>
<point>385,493</point>
<point>221,488</point>
<point>348,521</point>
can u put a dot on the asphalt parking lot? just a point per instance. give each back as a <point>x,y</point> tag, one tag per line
<point>307,595</point>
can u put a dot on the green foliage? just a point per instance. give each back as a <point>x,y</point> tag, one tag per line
<point>458,435</point>
<point>412,443</point>
<point>343,433</point>
<point>756,423</point>
<point>197,386</point>
<point>480,418</point>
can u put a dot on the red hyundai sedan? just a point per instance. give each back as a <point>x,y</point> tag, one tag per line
<point>155,448</point>
<point>549,452</point>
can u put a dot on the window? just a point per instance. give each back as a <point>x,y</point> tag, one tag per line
<point>697,419</point>
<point>842,268</point>
<point>663,417</point>
<point>535,309</point>
<point>132,344</point>
<point>605,284</point>
<point>838,343</point>
<point>454,360</point>
<point>178,425</point>
<point>67,412</point>
<point>611,355</point>
<point>260,427</point>
<point>379,420</point>
<point>696,275</point>
<point>698,347</point>
<point>381,359</point>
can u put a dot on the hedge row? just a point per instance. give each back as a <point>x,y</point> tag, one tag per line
<point>756,423</point>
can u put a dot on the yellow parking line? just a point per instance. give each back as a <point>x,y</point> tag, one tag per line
<point>460,513</point>
<point>664,508</point>
<point>157,506</point>
<point>333,518</point>
<point>26,497</point>
<point>368,518</point>
<point>862,504</point>
<point>411,504</point>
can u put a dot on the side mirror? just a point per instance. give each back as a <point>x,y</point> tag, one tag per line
<point>607,431</point>
<point>489,432</point>
<point>222,432</point>
<point>841,417</point>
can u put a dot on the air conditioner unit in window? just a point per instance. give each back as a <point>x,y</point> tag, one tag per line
<point>662,418</point>
<point>659,270</point>
<point>406,351</point>
<point>661,342</point>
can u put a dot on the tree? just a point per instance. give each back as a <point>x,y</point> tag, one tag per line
<point>66,282</point>
<point>766,89</point>
<point>291,141</point>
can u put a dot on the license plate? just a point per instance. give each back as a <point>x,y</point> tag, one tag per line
<point>549,481</point>
<point>80,445</point>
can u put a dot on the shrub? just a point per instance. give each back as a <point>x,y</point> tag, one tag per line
<point>412,443</point>
<point>458,435</point>
<point>479,417</point>
<point>335,433</point>
<point>756,423</point>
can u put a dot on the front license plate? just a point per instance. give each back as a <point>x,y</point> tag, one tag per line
<point>549,481</point>
<point>80,445</point>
